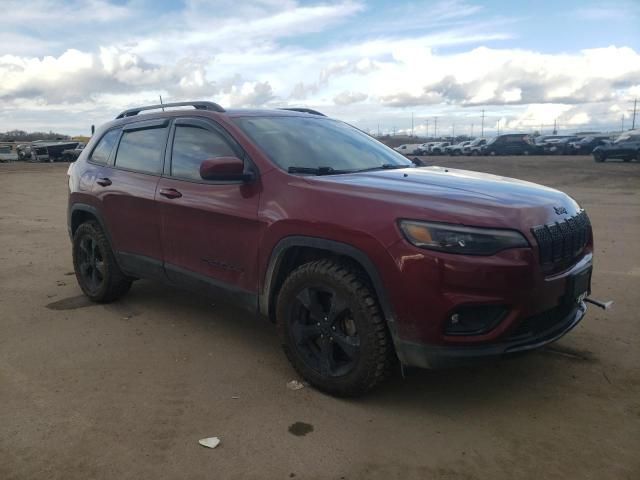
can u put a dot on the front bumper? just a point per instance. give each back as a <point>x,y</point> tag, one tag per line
<point>437,356</point>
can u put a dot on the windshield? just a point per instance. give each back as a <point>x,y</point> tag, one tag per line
<point>318,142</point>
<point>622,138</point>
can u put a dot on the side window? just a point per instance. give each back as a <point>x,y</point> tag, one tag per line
<point>102,151</point>
<point>141,150</point>
<point>191,146</point>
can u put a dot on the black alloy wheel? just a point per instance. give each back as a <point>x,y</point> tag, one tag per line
<point>332,328</point>
<point>325,332</point>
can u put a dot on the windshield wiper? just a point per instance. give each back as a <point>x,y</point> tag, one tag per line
<point>317,170</point>
<point>385,166</point>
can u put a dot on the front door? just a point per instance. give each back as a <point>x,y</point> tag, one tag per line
<point>210,230</point>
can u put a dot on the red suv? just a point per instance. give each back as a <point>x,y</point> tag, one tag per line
<point>361,258</point>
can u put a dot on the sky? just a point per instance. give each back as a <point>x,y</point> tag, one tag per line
<point>67,64</point>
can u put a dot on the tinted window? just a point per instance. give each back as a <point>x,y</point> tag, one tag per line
<point>102,151</point>
<point>191,146</point>
<point>318,142</point>
<point>141,150</point>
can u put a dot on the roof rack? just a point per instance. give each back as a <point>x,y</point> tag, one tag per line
<point>304,110</point>
<point>213,107</point>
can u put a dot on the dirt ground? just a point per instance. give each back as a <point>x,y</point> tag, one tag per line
<point>124,391</point>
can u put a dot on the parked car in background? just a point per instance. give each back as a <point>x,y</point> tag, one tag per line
<point>474,147</point>
<point>439,148</point>
<point>586,145</point>
<point>558,146</point>
<point>625,147</point>
<point>511,144</point>
<point>71,155</point>
<point>458,148</point>
<point>409,149</point>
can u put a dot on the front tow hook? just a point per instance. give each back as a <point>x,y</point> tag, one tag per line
<point>599,303</point>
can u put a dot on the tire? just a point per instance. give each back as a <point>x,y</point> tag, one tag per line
<point>526,152</point>
<point>599,157</point>
<point>474,153</point>
<point>95,266</point>
<point>492,153</point>
<point>332,329</point>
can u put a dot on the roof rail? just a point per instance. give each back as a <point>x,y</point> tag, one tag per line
<point>304,110</point>
<point>213,107</point>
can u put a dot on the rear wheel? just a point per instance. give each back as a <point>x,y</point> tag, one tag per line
<point>332,329</point>
<point>599,156</point>
<point>95,266</point>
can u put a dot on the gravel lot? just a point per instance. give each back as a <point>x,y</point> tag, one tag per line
<point>124,391</point>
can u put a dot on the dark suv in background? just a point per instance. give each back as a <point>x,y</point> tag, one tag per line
<point>511,144</point>
<point>626,147</point>
<point>360,258</point>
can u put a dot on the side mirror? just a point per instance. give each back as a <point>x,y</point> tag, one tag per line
<point>224,168</point>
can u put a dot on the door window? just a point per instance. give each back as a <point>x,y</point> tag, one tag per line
<point>102,151</point>
<point>191,146</point>
<point>141,150</point>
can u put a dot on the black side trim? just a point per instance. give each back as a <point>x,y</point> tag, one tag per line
<point>212,287</point>
<point>344,249</point>
<point>141,266</point>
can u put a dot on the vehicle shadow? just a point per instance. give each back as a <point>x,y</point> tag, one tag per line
<point>446,392</point>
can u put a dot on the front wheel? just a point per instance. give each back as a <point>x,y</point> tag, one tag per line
<point>95,266</point>
<point>599,157</point>
<point>333,330</point>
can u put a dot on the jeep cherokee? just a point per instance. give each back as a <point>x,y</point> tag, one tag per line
<point>361,259</point>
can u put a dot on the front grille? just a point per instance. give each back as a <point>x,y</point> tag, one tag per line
<point>560,243</point>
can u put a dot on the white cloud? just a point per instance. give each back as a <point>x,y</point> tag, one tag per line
<point>347,98</point>
<point>275,53</point>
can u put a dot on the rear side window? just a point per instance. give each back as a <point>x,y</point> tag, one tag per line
<point>141,150</point>
<point>102,151</point>
<point>191,146</point>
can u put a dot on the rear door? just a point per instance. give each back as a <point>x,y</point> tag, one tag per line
<point>126,188</point>
<point>210,230</point>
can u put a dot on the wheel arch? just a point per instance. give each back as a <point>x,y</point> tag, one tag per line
<point>291,252</point>
<point>80,213</point>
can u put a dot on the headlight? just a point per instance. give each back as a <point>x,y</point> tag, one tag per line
<point>458,239</point>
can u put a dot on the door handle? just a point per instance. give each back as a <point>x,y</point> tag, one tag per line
<point>104,182</point>
<point>170,193</point>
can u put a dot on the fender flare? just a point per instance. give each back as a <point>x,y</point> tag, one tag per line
<point>83,207</point>
<point>340,248</point>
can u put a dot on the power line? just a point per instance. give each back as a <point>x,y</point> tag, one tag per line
<point>633,118</point>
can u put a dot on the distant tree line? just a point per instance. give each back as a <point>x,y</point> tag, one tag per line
<point>22,136</point>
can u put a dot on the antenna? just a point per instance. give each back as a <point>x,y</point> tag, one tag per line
<point>161,102</point>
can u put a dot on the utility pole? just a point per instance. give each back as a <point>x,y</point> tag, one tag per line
<point>622,127</point>
<point>472,130</point>
<point>453,132</point>
<point>427,133</point>
<point>482,126</point>
<point>378,129</point>
<point>633,118</point>
<point>412,124</point>
<point>435,128</point>
<point>555,126</point>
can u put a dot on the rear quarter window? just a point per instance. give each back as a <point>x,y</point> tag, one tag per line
<point>104,147</point>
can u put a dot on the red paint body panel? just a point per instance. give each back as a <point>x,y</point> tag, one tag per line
<point>229,232</point>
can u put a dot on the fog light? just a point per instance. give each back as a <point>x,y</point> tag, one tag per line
<point>474,320</point>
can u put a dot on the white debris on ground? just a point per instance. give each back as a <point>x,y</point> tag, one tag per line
<point>295,385</point>
<point>211,442</point>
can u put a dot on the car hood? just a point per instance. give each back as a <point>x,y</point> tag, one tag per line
<point>446,194</point>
